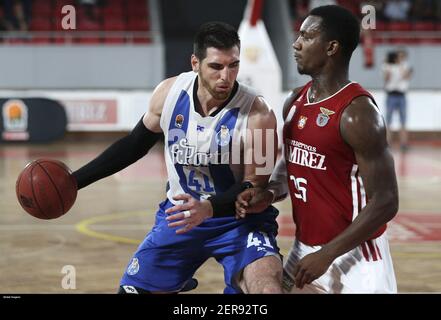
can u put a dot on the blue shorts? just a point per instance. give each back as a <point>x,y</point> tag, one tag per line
<point>165,261</point>
<point>396,102</point>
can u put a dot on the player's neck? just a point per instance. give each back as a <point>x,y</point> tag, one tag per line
<point>326,84</point>
<point>207,102</point>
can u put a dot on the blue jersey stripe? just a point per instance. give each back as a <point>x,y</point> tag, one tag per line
<point>179,118</point>
<point>178,128</point>
<point>221,174</point>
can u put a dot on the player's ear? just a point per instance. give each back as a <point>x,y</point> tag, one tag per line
<point>333,47</point>
<point>194,63</point>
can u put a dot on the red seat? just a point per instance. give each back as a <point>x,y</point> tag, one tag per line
<point>113,15</point>
<point>431,41</point>
<point>41,8</point>
<point>136,10</point>
<point>136,3</point>
<point>61,40</point>
<point>88,40</point>
<point>41,40</point>
<point>40,24</point>
<point>114,25</point>
<point>114,40</point>
<point>138,25</point>
<point>139,40</point>
<point>87,25</point>
<point>114,9</point>
<point>399,26</point>
<point>381,26</point>
<point>423,26</point>
<point>15,41</point>
<point>402,41</point>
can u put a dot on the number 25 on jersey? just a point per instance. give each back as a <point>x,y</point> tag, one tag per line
<point>300,185</point>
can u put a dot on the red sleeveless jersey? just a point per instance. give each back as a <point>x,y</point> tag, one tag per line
<point>326,190</point>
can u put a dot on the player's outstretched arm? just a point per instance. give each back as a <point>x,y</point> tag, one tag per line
<point>130,148</point>
<point>363,128</point>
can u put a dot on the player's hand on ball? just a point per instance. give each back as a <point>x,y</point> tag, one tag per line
<point>252,200</point>
<point>190,214</point>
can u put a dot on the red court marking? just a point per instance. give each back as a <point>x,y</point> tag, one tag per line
<point>405,227</point>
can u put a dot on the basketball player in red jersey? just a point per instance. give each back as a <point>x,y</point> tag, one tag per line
<point>337,166</point>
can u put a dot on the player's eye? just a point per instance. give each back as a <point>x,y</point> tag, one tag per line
<point>216,66</point>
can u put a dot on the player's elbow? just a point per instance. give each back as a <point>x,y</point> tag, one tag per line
<point>390,204</point>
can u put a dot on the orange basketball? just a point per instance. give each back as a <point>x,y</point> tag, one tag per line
<point>46,189</point>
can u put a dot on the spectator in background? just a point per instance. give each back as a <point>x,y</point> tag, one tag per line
<point>397,73</point>
<point>91,8</point>
<point>397,10</point>
<point>17,14</point>
<point>425,10</point>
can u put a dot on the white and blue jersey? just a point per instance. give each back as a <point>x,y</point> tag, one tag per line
<point>203,158</point>
<point>199,150</point>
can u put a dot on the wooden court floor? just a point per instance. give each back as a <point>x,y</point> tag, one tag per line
<point>100,233</point>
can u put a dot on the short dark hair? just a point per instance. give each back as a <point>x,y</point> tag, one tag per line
<point>339,24</point>
<point>219,35</point>
<point>392,57</point>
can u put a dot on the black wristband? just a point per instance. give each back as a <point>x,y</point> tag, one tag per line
<point>223,203</point>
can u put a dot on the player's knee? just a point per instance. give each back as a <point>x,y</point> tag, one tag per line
<point>272,289</point>
<point>264,284</point>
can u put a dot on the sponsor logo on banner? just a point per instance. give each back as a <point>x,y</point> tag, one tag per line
<point>15,120</point>
<point>91,111</point>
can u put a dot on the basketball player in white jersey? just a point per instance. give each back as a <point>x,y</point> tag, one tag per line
<point>204,115</point>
